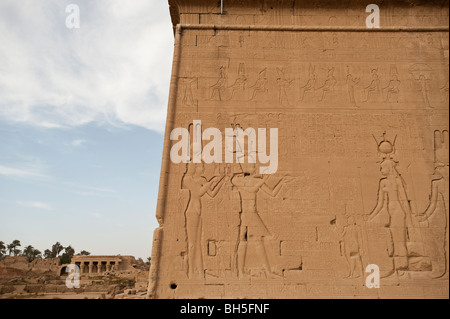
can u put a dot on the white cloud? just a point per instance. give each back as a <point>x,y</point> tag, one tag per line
<point>37,205</point>
<point>16,172</point>
<point>115,69</point>
<point>77,143</point>
<point>91,191</point>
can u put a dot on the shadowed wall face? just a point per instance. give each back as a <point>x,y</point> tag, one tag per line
<point>362,179</point>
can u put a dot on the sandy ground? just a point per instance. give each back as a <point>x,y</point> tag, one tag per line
<point>87,295</point>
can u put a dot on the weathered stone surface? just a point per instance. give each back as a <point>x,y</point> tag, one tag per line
<point>19,266</point>
<point>362,118</point>
<point>46,278</point>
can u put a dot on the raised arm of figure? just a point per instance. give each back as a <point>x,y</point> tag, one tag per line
<point>273,191</point>
<point>213,191</point>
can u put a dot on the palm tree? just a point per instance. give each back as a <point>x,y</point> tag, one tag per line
<point>37,254</point>
<point>2,249</point>
<point>47,253</point>
<point>12,248</point>
<point>31,253</point>
<point>28,252</point>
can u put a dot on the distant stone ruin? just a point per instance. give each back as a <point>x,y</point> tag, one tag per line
<point>105,277</point>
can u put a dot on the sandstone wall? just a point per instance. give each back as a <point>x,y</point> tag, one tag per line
<point>362,118</point>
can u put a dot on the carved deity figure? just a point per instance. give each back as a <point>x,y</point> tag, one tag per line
<point>437,215</point>
<point>252,227</point>
<point>239,84</point>
<point>218,90</point>
<point>329,84</point>
<point>374,86</point>
<point>310,86</point>
<point>437,212</point>
<point>188,96</point>
<point>283,84</point>
<point>393,201</point>
<point>198,186</point>
<point>261,84</point>
<point>425,89</point>
<point>351,84</point>
<point>393,88</point>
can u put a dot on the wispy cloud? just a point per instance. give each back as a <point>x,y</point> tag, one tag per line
<point>115,69</point>
<point>101,190</point>
<point>17,172</point>
<point>78,143</point>
<point>88,190</point>
<point>37,205</point>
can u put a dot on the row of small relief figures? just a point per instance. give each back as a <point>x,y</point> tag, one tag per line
<point>373,91</point>
<point>393,203</point>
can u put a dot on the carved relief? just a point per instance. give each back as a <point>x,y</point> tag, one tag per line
<point>252,227</point>
<point>235,234</point>
<point>260,87</point>
<point>219,90</point>
<point>392,91</point>
<point>352,82</point>
<point>394,204</point>
<point>188,85</point>
<point>318,88</point>
<point>436,216</point>
<point>310,86</point>
<point>422,76</point>
<point>372,92</point>
<point>198,186</point>
<point>239,85</point>
<point>329,84</point>
<point>351,246</point>
<point>283,84</point>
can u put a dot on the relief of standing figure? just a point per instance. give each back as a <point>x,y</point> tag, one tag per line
<point>437,212</point>
<point>198,186</point>
<point>393,200</point>
<point>252,227</point>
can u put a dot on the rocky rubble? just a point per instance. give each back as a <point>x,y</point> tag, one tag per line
<point>41,279</point>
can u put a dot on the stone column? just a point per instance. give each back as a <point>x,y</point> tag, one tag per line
<point>108,266</point>
<point>91,265</point>
<point>99,267</point>
<point>82,267</point>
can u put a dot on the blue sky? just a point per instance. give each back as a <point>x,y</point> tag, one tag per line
<point>82,114</point>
